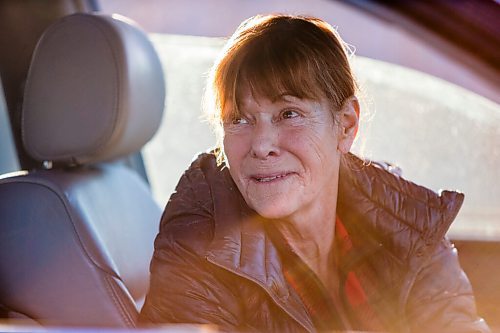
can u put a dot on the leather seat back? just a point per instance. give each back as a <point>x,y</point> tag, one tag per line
<point>76,237</point>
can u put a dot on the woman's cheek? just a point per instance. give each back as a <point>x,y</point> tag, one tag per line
<point>235,148</point>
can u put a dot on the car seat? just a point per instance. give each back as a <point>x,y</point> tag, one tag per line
<point>76,234</point>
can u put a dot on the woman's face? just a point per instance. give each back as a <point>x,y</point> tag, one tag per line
<point>284,155</point>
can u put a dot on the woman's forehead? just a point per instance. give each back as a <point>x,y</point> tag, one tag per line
<point>250,89</point>
<point>274,93</point>
<point>277,78</point>
<point>248,100</point>
<point>247,93</point>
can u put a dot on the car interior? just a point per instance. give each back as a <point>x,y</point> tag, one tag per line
<point>83,92</point>
<point>83,226</point>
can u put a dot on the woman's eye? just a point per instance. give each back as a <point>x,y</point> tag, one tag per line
<point>288,114</point>
<point>239,121</point>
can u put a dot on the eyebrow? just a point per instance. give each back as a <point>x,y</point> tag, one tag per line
<point>287,97</point>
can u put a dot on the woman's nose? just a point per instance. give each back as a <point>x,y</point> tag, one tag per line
<point>265,141</point>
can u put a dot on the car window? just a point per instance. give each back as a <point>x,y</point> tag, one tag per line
<point>442,136</point>
<point>8,158</point>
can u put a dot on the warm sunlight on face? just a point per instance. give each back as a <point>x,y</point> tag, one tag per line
<point>283,155</point>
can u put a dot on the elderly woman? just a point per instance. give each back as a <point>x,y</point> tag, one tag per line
<point>282,229</point>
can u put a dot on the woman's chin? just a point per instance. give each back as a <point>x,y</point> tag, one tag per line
<point>273,210</point>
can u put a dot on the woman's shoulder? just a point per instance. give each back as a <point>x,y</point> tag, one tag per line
<point>383,185</point>
<point>203,172</point>
<point>202,164</point>
<point>197,184</point>
<point>397,210</point>
<point>189,216</point>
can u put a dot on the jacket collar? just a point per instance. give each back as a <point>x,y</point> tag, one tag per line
<point>241,245</point>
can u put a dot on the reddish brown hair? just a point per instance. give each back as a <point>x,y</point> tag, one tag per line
<point>280,54</point>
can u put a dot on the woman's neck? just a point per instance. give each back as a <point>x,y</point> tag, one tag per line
<point>312,239</point>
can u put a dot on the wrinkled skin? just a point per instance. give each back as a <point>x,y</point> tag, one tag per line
<point>284,155</point>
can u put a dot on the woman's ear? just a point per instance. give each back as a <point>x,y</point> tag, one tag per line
<point>348,124</point>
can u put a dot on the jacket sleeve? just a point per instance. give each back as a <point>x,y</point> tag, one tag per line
<point>441,299</point>
<point>184,287</point>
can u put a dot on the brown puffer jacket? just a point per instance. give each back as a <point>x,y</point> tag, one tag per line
<point>213,262</point>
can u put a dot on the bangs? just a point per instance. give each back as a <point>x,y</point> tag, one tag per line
<point>271,69</point>
<point>275,55</point>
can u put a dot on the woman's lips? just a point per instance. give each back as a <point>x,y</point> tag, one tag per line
<point>268,178</point>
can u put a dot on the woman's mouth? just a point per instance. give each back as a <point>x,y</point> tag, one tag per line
<point>270,178</point>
